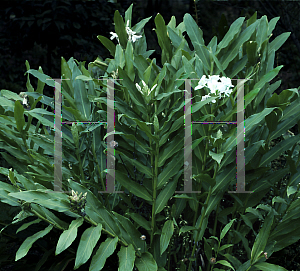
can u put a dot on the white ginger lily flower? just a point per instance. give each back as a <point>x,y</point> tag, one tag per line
<point>131,34</point>
<point>114,35</point>
<point>216,87</point>
<point>145,90</point>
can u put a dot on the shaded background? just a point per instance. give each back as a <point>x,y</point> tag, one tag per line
<point>44,31</point>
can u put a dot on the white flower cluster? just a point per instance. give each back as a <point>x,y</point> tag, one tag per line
<point>216,88</point>
<point>131,34</point>
<point>76,197</point>
<point>25,100</point>
<point>145,90</point>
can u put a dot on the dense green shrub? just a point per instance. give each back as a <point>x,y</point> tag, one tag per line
<point>149,227</point>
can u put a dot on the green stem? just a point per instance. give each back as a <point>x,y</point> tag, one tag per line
<point>286,210</point>
<point>26,146</point>
<point>45,219</point>
<point>196,12</point>
<point>238,226</point>
<point>154,183</point>
<point>98,168</point>
<point>216,220</point>
<point>80,165</point>
<point>200,227</point>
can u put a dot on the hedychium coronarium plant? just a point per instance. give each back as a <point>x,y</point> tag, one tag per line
<point>150,226</point>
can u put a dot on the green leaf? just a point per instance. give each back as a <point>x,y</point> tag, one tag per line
<point>68,236</point>
<point>119,56</point>
<point>252,121</point>
<point>106,249</point>
<point>262,238</point>
<point>146,262</point>
<point>233,49</point>
<point>8,187</point>
<point>217,156</point>
<point>269,267</point>
<point>278,41</point>
<point>138,27</point>
<point>82,102</point>
<point>173,146</point>
<point>169,171</point>
<point>226,229</point>
<point>49,216</point>
<point>75,135</point>
<point>19,116</point>
<point>167,232</point>
<point>86,245</point>
<point>27,244</point>
<point>10,95</point>
<point>265,79</point>
<point>134,94</point>
<point>26,225</point>
<point>163,39</point>
<point>233,260</point>
<point>164,196</point>
<point>46,121</point>
<point>278,150</point>
<point>128,15</point>
<point>290,190</point>
<point>193,30</point>
<point>186,228</point>
<point>120,29</point>
<point>130,234</point>
<point>129,61</point>
<point>95,210</point>
<point>225,263</point>
<point>141,221</point>
<point>140,167</point>
<point>278,199</point>
<point>234,29</point>
<point>133,187</point>
<point>225,246</point>
<point>126,258</point>
<point>42,77</point>
<point>255,212</point>
<point>5,102</point>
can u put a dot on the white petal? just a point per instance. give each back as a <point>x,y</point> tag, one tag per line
<point>138,87</point>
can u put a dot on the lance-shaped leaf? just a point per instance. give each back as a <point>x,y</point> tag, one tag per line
<point>27,244</point>
<point>269,267</point>
<point>126,258</point>
<point>19,116</point>
<point>133,187</point>
<point>165,195</point>
<point>106,249</point>
<point>68,236</point>
<point>262,238</point>
<point>110,46</point>
<point>87,243</point>
<point>146,262</point>
<point>167,232</point>
<point>120,29</point>
<point>226,229</point>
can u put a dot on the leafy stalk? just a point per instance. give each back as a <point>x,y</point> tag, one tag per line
<point>154,184</point>
<point>200,226</point>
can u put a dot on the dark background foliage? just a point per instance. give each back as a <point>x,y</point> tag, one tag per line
<point>44,31</point>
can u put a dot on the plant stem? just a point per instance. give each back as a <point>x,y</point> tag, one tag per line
<point>196,12</point>
<point>154,183</point>
<point>98,167</point>
<point>200,226</point>
<point>80,165</point>
<point>216,220</point>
